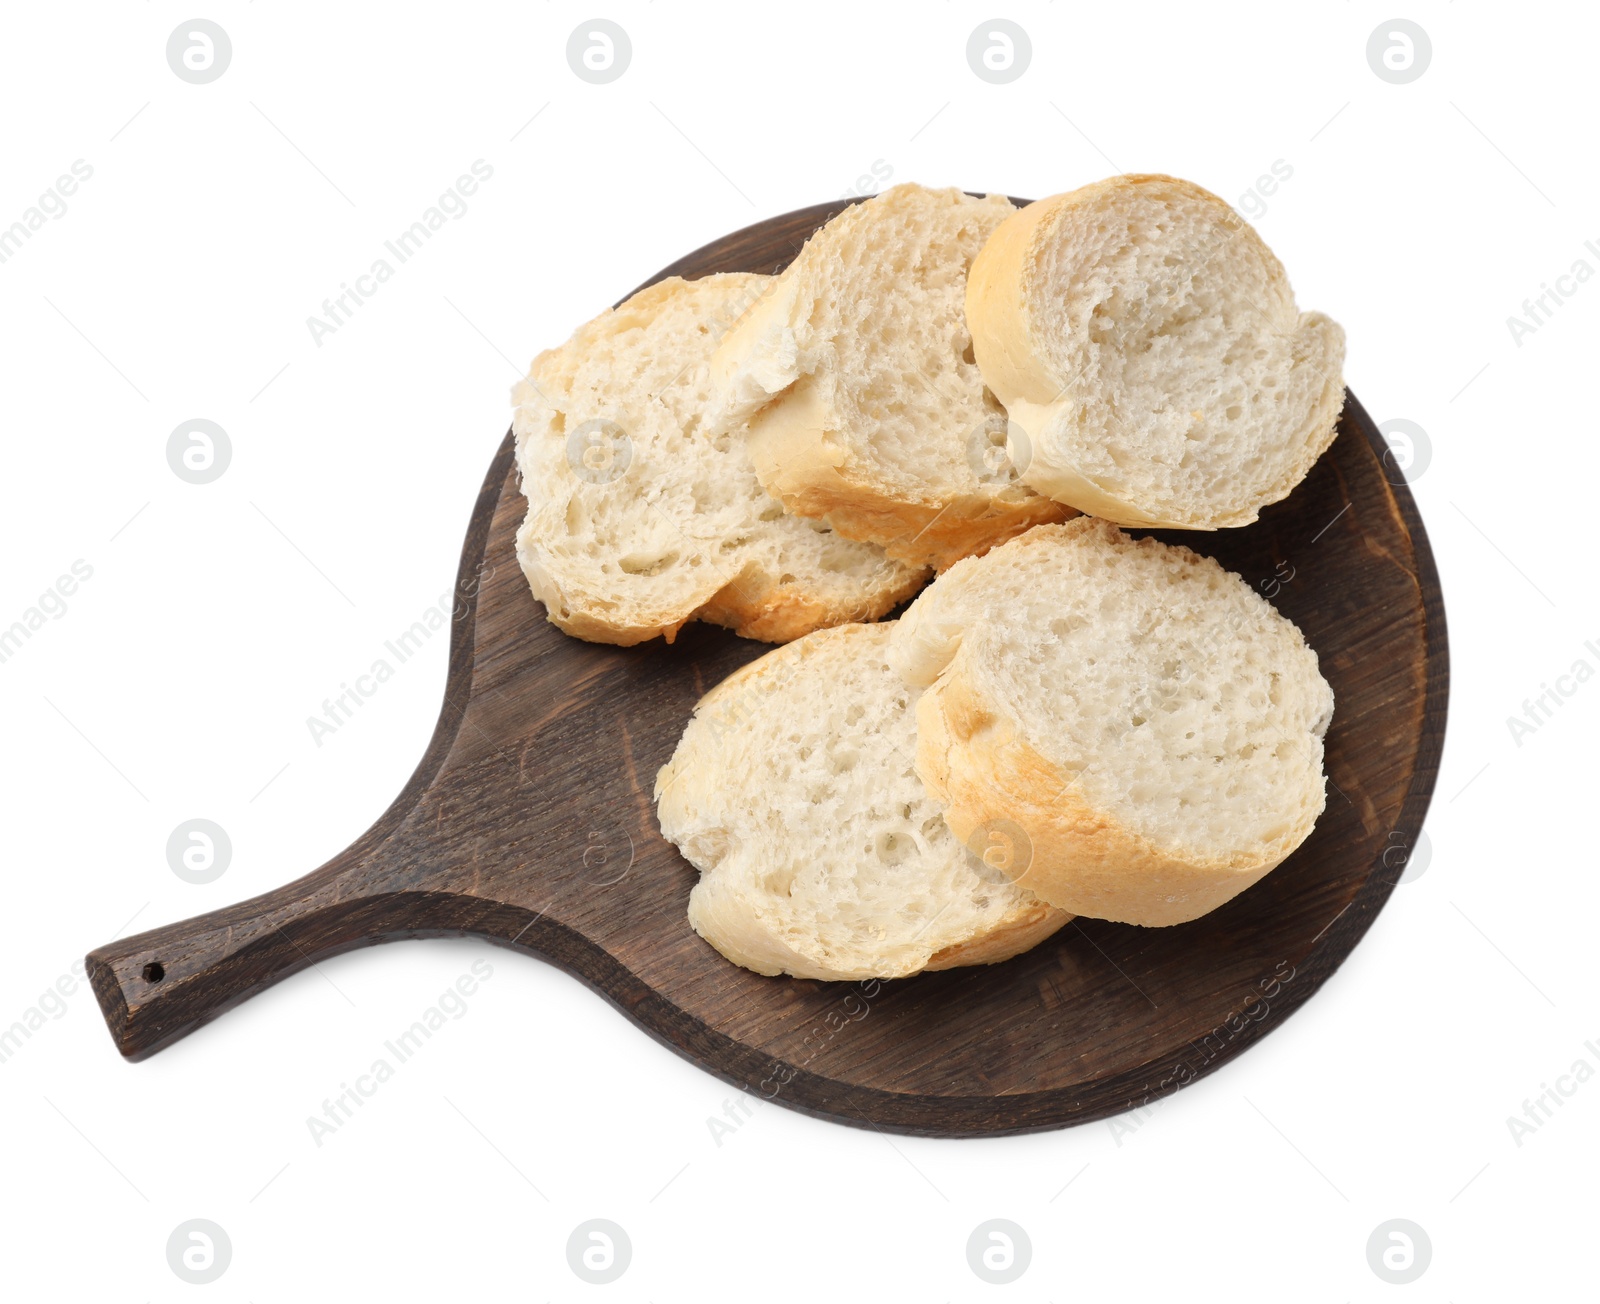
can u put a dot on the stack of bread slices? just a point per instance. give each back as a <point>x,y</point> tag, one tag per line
<point>1067,720</point>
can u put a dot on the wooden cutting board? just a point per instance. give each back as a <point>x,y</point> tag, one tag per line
<point>529,823</point>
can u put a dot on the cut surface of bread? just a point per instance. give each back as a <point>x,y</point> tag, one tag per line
<point>857,377</point>
<point>1146,342</point>
<point>639,519</point>
<point>1140,725</point>
<point>793,791</point>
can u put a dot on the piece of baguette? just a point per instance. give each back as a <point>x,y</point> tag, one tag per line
<point>1146,342</point>
<point>857,377</point>
<point>793,792</point>
<point>1138,729</point>
<point>639,519</point>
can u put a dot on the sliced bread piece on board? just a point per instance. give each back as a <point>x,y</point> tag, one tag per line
<point>639,519</point>
<point>857,377</point>
<point>1146,342</point>
<point>1135,725</point>
<point>820,854</point>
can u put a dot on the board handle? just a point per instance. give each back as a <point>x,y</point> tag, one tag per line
<point>159,985</point>
<point>155,987</point>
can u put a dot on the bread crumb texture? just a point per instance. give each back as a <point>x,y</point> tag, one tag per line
<point>1119,698</point>
<point>639,519</point>
<point>1171,368</point>
<point>794,792</point>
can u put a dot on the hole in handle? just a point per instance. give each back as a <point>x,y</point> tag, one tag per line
<point>153,972</point>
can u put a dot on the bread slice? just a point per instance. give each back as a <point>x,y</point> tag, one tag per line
<point>857,378</point>
<point>639,519</point>
<point>1146,341</point>
<point>793,792</point>
<point>1141,728</point>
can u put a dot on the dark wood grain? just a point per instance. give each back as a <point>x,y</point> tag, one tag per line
<point>529,823</point>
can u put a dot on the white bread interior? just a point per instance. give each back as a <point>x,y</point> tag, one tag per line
<point>864,401</point>
<point>671,524</point>
<point>794,792</point>
<point>1141,725</point>
<point>1147,343</point>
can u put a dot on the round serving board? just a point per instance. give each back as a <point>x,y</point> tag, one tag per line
<point>529,823</point>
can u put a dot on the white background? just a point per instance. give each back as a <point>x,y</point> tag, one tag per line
<point>178,681</point>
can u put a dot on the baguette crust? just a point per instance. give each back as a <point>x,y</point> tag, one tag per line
<point>734,923</point>
<point>1080,858</point>
<point>804,469</point>
<point>1012,308</point>
<point>1022,930</point>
